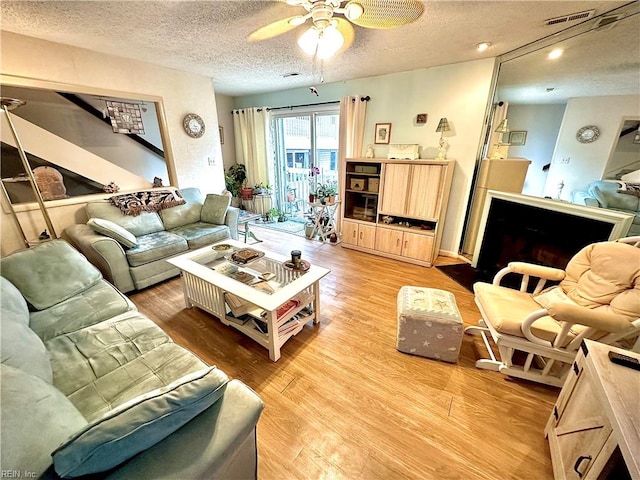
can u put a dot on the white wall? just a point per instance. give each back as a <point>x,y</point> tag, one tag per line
<point>587,161</point>
<point>542,124</point>
<point>459,92</point>
<point>29,62</point>
<point>224,104</point>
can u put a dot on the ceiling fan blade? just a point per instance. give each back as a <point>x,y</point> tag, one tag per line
<point>347,31</point>
<point>273,29</point>
<point>388,13</point>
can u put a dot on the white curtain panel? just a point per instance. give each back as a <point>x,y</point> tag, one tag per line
<point>253,145</point>
<point>352,117</point>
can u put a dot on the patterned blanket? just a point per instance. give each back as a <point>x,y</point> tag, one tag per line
<point>147,201</point>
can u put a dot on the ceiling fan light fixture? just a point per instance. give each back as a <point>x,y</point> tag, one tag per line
<point>296,21</point>
<point>324,43</point>
<point>353,10</point>
<point>556,53</point>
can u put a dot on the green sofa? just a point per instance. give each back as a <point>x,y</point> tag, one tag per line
<point>131,251</point>
<point>611,194</point>
<point>90,386</point>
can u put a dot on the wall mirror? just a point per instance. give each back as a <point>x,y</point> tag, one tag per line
<point>78,143</point>
<point>601,58</point>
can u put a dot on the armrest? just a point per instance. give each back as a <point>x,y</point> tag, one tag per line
<point>218,443</point>
<point>577,314</point>
<point>231,220</point>
<point>540,271</point>
<point>528,270</point>
<point>104,252</point>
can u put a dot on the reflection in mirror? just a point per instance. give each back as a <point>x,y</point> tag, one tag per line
<point>595,82</point>
<point>75,149</point>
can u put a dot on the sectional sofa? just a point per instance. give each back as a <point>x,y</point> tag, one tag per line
<point>131,251</point>
<point>90,386</point>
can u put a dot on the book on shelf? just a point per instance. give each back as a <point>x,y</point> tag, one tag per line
<point>240,320</point>
<point>237,305</point>
<point>286,307</point>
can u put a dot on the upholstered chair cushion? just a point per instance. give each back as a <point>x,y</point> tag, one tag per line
<point>36,418</point>
<point>606,277</point>
<point>113,230</point>
<point>20,347</point>
<point>143,224</point>
<point>139,424</point>
<point>215,208</point>
<point>183,214</point>
<point>13,303</point>
<point>49,273</point>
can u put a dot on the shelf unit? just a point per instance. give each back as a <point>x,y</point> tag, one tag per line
<point>396,208</point>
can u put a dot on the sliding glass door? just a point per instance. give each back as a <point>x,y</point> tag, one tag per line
<point>306,145</point>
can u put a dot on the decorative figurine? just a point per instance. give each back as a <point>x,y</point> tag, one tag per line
<point>44,235</point>
<point>157,182</point>
<point>370,153</point>
<point>111,188</point>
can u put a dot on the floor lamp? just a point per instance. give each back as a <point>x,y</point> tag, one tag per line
<point>11,104</point>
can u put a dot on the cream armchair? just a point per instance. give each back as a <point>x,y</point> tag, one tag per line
<point>538,331</point>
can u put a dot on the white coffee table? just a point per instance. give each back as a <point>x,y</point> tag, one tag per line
<point>206,278</point>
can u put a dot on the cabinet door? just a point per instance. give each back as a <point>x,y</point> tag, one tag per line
<point>394,191</point>
<point>366,236</point>
<point>350,232</point>
<point>417,246</point>
<point>425,192</point>
<point>389,240</point>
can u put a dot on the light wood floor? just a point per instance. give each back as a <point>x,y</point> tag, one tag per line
<point>343,403</point>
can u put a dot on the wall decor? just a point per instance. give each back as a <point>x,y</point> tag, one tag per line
<point>125,117</point>
<point>193,125</point>
<point>517,138</point>
<point>588,134</point>
<point>383,133</point>
<point>221,132</point>
<point>421,118</point>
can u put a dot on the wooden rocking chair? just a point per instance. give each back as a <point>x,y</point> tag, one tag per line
<point>538,333</point>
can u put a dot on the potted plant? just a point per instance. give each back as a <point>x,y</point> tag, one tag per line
<point>262,189</point>
<point>282,216</point>
<point>271,214</point>
<point>235,178</point>
<point>331,190</point>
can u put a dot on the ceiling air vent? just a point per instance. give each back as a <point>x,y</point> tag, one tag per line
<point>607,22</point>
<point>292,74</point>
<point>569,18</point>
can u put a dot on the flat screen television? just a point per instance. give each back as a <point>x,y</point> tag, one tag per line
<point>537,230</point>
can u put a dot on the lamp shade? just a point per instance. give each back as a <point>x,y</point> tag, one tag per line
<point>503,127</point>
<point>443,126</point>
<point>324,42</point>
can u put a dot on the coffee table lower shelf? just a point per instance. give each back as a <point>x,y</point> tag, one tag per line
<point>209,298</point>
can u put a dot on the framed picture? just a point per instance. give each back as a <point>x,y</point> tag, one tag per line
<point>383,133</point>
<point>221,132</point>
<point>517,138</point>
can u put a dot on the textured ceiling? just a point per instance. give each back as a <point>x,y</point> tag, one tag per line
<point>210,37</point>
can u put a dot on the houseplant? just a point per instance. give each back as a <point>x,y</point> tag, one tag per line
<point>235,178</point>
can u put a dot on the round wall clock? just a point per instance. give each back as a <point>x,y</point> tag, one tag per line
<point>588,134</point>
<point>193,125</point>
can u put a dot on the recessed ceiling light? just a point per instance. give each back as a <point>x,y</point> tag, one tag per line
<point>556,53</point>
<point>483,46</point>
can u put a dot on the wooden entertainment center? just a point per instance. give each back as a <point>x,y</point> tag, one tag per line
<point>395,208</point>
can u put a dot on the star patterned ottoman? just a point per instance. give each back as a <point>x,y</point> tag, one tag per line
<point>429,323</point>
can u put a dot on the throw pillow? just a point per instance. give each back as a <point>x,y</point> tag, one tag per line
<point>215,208</point>
<point>630,189</point>
<point>36,418</point>
<point>112,230</point>
<point>138,424</point>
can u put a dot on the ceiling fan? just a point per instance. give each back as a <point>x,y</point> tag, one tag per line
<point>329,33</point>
